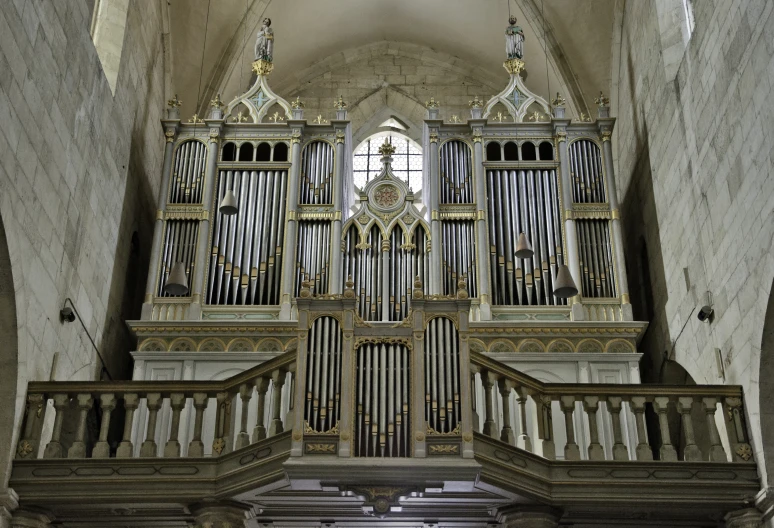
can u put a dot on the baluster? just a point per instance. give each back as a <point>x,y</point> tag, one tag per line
<point>545,430</point>
<point>125,449</point>
<point>245,394</point>
<point>149,447</point>
<point>643,451</point>
<point>523,441</point>
<point>474,403</point>
<point>172,448</point>
<point>737,434</point>
<point>489,380</point>
<point>28,446</point>
<point>571,449</point>
<point>667,451</point>
<point>691,452</point>
<point>716,452</point>
<point>259,431</point>
<point>221,444</point>
<point>591,405</point>
<point>54,448</point>
<point>102,448</point>
<point>507,434</point>
<point>291,392</point>
<point>196,446</point>
<point>278,379</point>
<point>78,449</point>
<point>614,405</point>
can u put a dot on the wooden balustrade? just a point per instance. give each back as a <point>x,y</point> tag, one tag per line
<point>619,409</point>
<point>151,400</point>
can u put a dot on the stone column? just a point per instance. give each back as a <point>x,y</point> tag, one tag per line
<point>31,518</point>
<point>435,223</point>
<point>744,518</point>
<point>336,280</point>
<point>158,229</point>
<point>225,514</point>
<point>291,226</point>
<point>571,235</point>
<point>482,251</point>
<point>615,223</point>
<point>526,517</point>
<point>200,264</point>
<point>9,501</point>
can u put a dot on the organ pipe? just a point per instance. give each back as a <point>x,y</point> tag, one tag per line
<point>524,201</point>
<point>316,174</point>
<point>180,238</point>
<point>382,418</point>
<point>187,179</point>
<point>456,185</point>
<point>442,376</point>
<point>313,255</point>
<point>458,260</point>
<point>586,170</point>
<point>596,258</point>
<point>246,250</point>
<point>322,409</point>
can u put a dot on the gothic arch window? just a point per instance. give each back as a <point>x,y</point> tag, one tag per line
<point>108,24</point>
<point>406,162</point>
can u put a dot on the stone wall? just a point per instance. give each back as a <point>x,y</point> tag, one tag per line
<point>697,191</point>
<point>79,170</point>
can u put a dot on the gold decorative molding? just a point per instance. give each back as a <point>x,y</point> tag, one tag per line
<point>298,104</point>
<point>431,104</point>
<point>477,135</point>
<point>195,119</point>
<point>159,214</point>
<point>339,136</point>
<point>480,215</point>
<point>514,66</point>
<point>625,298</point>
<point>434,214</point>
<point>339,104</point>
<point>433,432</point>
<point>601,100</point>
<point>433,136</point>
<point>185,212</point>
<point>217,103</point>
<point>291,215</point>
<point>170,135</point>
<point>444,449</point>
<point>476,102</point>
<point>174,102</point>
<point>558,100</point>
<point>605,136</point>
<point>744,451</point>
<point>320,448</point>
<point>262,67</point>
<point>561,135</point>
<point>615,214</point>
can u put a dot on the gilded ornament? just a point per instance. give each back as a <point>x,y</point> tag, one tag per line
<point>319,120</point>
<point>500,117</point>
<point>455,119</point>
<point>431,104</point>
<point>433,432</point>
<point>444,449</point>
<point>514,66</point>
<point>339,104</point>
<point>170,135</point>
<point>276,118</point>
<point>214,133</point>
<point>558,100</point>
<point>24,449</point>
<point>217,103</point>
<point>420,437</point>
<point>195,119</point>
<point>262,67</point>
<point>602,100</point>
<point>535,116</point>
<point>476,102</point>
<point>561,135</point>
<point>477,135</point>
<point>320,448</point>
<point>339,136</point>
<point>174,102</point>
<point>605,135</point>
<point>584,118</point>
<point>240,118</point>
<point>298,104</point>
<point>744,451</point>
<point>344,436</point>
<point>467,437</point>
<point>386,149</point>
<point>218,445</point>
<point>433,136</point>
<point>296,137</point>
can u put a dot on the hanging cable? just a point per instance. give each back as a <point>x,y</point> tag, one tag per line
<point>545,48</point>
<point>201,65</point>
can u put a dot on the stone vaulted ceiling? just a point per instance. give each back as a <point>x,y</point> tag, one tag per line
<point>578,36</point>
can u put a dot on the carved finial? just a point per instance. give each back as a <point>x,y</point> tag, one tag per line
<point>319,120</point>
<point>349,288</point>
<point>217,103</point>
<point>559,101</point>
<point>476,102</point>
<point>297,104</point>
<point>602,100</point>
<point>432,103</point>
<point>386,149</point>
<point>418,291</point>
<point>462,287</point>
<point>174,102</point>
<point>339,104</point>
<point>195,119</point>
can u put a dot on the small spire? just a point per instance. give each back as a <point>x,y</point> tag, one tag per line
<point>297,104</point>
<point>340,104</point>
<point>174,102</point>
<point>432,103</point>
<point>216,103</point>
<point>602,100</point>
<point>386,149</point>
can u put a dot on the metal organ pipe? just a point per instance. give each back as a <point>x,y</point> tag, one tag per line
<point>317,174</point>
<point>442,377</point>
<point>587,174</point>
<point>186,184</point>
<point>323,377</point>
<point>597,266</point>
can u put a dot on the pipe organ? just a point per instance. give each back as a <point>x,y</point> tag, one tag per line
<point>588,184</point>
<point>323,376</point>
<point>442,376</point>
<point>179,246</point>
<point>186,183</point>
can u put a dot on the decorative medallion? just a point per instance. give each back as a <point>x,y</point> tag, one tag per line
<point>744,451</point>
<point>386,196</point>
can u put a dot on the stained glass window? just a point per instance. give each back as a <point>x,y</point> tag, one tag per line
<point>406,162</point>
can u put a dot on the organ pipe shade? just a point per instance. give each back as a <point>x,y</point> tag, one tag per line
<point>316,186</point>
<point>596,258</point>
<point>188,173</point>
<point>323,375</point>
<point>177,282</point>
<point>442,376</point>
<point>458,256</point>
<point>383,274</point>
<point>245,265</point>
<point>382,400</point>
<point>177,255</point>
<point>588,183</point>
<point>524,201</point>
<point>456,185</point>
<point>523,247</point>
<point>228,205</point>
<point>313,255</point>
<point>564,286</point>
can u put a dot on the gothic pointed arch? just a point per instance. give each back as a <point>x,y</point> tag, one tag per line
<point>9,358</point>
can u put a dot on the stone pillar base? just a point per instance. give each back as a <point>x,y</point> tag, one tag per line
<point>530,517</point>
<point>219,514</point>
<point>744,518</point>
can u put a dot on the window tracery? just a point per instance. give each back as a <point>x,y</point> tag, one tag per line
<point>406,161</point>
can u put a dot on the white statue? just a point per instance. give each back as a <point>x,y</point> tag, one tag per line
<point>514,40</point>
<point>264,43</point>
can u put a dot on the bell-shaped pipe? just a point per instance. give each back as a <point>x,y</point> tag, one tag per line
<point>177,281</point>
<point>564,286</point>
<point>228,205</point>
<point>523,247</point>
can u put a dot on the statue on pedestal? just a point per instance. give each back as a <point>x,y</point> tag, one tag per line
<point>264,42</point>
<point>514,40</point>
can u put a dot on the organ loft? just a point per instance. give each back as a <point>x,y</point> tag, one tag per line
<point>385,332</point>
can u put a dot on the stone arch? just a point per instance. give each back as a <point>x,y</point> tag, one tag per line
<point>766,392</point>
<point>9,359</point>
